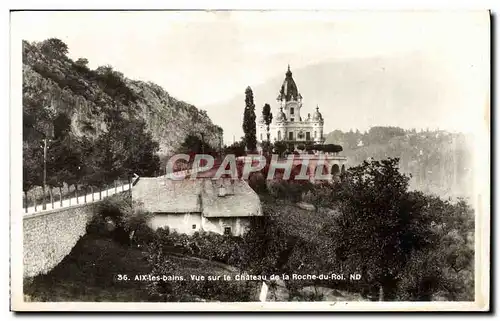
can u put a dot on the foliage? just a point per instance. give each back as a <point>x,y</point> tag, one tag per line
<point>440,162</point>
<point>237,149</point>
<point>117,217</point>
<point>209,246</point>
<point>257,181</point>
<point>328,148</point>
<point>194,144</point>
<point>268,118</point>
<point>249,126</point>
<point>162,290</point>
<point>385,232</point>
<point>266,246</point>
<point>54,47</point>
<point>321,195</point>
<point>446,267</point>
<point>89,117</point>
<point>291,190</point>
<point>280,148</point>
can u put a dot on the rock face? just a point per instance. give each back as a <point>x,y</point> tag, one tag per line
<point>90,98</point>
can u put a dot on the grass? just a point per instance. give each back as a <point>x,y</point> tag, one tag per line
<point>90,274</point>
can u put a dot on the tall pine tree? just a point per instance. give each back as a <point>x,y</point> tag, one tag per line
<point>268,118</point>
<point>249,127</point>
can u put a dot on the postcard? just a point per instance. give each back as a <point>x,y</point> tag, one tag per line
<point>234,160</point>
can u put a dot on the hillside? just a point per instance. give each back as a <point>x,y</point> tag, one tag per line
<point>439,162</point>
<point>89,98</point>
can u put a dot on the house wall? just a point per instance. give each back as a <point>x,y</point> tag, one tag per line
<point>239,225</point>
<point>181,222</point>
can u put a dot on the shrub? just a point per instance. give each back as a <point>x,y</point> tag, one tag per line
<point>211,246</point>
<point>288,190</point>
<point>257,181</point>
<point>117,217</point>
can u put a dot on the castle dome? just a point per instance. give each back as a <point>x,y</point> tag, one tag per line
<point>289,90</point>
<point>317,115</point>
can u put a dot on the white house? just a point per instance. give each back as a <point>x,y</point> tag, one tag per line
<point>222,206</point>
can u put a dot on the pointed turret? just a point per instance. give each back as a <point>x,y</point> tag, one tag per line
<point>289,90</point>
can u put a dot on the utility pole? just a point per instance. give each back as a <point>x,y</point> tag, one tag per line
<point>202,143</point>
<point>44,205</point>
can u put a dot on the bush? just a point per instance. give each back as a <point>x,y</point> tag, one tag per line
<point>257,181</point>
<point>288,190</point>
<point>117,217</point>
<point>211,246</point>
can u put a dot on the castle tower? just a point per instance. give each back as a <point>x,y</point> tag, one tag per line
<point>288,124</point>
<point>289,98</point>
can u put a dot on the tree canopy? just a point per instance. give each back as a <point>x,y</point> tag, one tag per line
<point>249,126</point>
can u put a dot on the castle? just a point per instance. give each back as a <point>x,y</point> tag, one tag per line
<point>288,125</point>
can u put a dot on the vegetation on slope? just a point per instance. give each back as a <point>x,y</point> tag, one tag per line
<point>438,161</point>
<point>99,125</point>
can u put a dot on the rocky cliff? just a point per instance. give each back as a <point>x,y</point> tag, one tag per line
<point>90,99</point>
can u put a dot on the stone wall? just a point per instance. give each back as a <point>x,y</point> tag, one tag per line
<point>50,236</point>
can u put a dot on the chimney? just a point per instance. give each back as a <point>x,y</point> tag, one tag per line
<point>222,190</point>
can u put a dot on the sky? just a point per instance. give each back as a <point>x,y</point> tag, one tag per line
<point>208,57</point>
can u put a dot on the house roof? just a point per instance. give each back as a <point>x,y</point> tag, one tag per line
<point>160,194</point>
<point>240,200</point>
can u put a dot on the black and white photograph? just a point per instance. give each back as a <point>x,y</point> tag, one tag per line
<point>227,160</point>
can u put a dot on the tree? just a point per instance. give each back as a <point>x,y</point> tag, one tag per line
<point>141,152</point>
<point>321,195</point>
<point>280,148</point>
<point>249,126</point>
<point>54,47</point>
<point>268,118</point>
<point>237,149</point>
<point>82,62</point>
<point>332,148</point>
<point>380,225</point>
<point>62,163</point>
<point>194,144</point>
<point>32,168</point>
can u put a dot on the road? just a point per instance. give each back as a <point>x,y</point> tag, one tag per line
<point>73,201</point>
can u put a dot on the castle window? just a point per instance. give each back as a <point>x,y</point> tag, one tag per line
<point>291,111</point>
<point>279,135</point>
<point>314,134</point>
<point>194,226</point>
<point>308,136</point>
<point>227,230</point>
<point>292,119</point>
<point>290,135</point>
<point>260,136</point>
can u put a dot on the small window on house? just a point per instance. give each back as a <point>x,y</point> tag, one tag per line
<point>194,226</point>
<point>227,230</point>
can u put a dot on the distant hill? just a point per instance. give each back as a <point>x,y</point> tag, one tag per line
<point>88,99</point>
<point>439,162</point>
<point>410,90</point>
